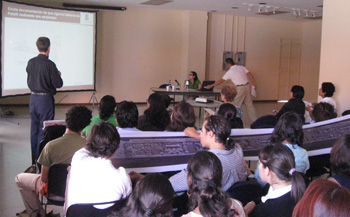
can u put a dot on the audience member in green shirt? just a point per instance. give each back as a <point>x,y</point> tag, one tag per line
<point>107,106</point>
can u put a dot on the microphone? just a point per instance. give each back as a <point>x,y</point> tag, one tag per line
<point>177,82</point>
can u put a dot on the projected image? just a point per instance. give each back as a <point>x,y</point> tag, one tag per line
<point>72,36</point>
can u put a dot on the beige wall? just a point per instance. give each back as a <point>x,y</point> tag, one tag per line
<point>335,58</point>
<point>142,48</point>
<point>261,39</point>
<point>310,54</point>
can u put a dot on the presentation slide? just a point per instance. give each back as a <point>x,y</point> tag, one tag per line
<point>73,37</point>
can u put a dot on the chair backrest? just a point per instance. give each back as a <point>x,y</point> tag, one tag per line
<point>50,133</point>
<point>246,191</point>
<point>57,179</point>
<point>88,209</point>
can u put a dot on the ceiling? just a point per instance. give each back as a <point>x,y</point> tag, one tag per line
<point>306,9</point>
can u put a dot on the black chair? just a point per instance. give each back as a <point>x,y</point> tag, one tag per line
<point>56,186</point>
<point>50,133</point>
<point>319,165</point>
<point>88,209</point>
<point>246,191</point>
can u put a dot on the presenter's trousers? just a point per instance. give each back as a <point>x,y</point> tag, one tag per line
<point>41,108</point>
<point>244,96</point>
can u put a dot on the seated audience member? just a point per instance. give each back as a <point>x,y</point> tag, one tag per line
<point>229,111</point>
<point>58,151</point>
<point>326,91</point>
<point>323,111</point>
<point>289,132</point>
<point>277,167</point>
<point>155,117</point>
<point>346,112</point>
<point>340,161</point>
<point>294,104</point>
<point>323,198</point>
<point>92,177</point>
<point>182,117</point>
<point>204,175</point>
<point>126,116</point>
<point>152,196</point>
<point>107,106</point>
<point>215,136</point>
<point>228,94</point>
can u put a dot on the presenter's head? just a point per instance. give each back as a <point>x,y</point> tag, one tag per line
<point>43,45</point>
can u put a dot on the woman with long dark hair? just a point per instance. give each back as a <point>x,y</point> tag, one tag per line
<point>155,117</point>
<point>277,167</point>
<point>206,196</point>
<point>152,197</point>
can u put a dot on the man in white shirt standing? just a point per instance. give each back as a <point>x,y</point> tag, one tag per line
<point>239,76</point>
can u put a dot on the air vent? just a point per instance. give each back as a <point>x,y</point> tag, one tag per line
<point>156,2</point>
<point>272,13</point>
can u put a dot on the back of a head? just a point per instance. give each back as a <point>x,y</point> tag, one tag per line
<point>289,127</point>
<point>103,140</point>
<point>222,130</point>
<point>43,44</point>
<point>229,91</point>
<point>77,118</point>
<point>340,156</point>
<point>328,88</point>
<point>107,106</point>
<point>229,61</point>
<point>323,198</point>
<point>298,91</point>
<point>346,112</point>
<point>204,175</point>
<point>229,112</point>
<point>323,111</point>
<point>280,160</point>
<point>157,113</point>
<point>152,196</point>
<point>127,114</point>
<point>182,117</point>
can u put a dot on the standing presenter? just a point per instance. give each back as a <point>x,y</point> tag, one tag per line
<point>239,76</point>
<point>43,79</point>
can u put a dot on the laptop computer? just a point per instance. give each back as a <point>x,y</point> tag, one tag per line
<point>206,83</point>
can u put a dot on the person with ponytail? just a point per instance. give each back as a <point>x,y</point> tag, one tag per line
<point>206,196</point>
<point>277,167</point>
<point>106,110</point>
<point>152,197</point>
<point>215,137</point>
<point>289,132</point>
<point>229,111</point>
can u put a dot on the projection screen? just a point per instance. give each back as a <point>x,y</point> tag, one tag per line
<point>73,45</point>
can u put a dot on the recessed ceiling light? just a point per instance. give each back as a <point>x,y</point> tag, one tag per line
<point>262,3</point>
<point>234,7</point>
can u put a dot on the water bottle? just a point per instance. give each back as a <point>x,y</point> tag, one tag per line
<point>169,84</point>
<point>187,84</point>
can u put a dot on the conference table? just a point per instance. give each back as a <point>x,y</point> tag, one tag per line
<point>190,92</point>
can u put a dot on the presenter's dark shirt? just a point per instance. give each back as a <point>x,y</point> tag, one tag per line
<point>43,76</point>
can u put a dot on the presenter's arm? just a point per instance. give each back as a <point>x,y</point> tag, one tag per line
<point>44,173</point>
<point>216,83</point>
<point>55,76</point>
<point>252,79</point>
